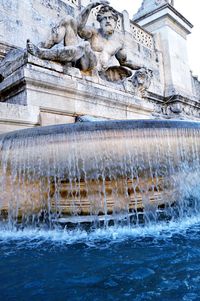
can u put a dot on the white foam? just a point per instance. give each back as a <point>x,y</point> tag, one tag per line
<point>112,234</point>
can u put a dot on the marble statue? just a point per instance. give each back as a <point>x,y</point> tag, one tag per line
<point>101,53</point>
<point>75,51</point>
<point>105,41</point>
<point>86,47</point>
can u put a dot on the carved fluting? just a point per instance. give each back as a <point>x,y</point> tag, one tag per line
<point>141,36</point>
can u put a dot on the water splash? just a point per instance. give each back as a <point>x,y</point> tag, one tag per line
<point>156,232</point>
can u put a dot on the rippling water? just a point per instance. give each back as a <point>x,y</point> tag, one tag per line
<point>155,262</point>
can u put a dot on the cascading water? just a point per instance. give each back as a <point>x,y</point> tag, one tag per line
<point>102,172</point>
<point>135,182</point>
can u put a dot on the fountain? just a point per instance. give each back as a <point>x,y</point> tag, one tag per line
<point>98,171</point>
<point>110,170</point>
<point>99,153</point>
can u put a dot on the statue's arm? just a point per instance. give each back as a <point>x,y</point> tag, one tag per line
<point>86,32</point>
<point>121,56</point>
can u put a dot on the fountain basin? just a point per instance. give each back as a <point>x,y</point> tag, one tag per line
<point>98,168</point>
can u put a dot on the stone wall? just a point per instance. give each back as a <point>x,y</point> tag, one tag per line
<point>22,19</point>
<point>196,87</point>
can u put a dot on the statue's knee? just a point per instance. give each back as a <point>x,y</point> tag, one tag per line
<point>66,21</point>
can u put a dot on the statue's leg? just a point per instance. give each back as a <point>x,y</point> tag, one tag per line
<point>92,59</point>
<point>58,33</point>
<point>65,54</point>
<point>89,60</point>
<point>33,49</point>
<point>71,53</point>
<point>47,54</point>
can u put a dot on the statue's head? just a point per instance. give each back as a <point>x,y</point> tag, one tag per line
<point>143,75</point>
<point>107,17</point>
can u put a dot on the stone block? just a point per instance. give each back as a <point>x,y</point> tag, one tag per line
<point>50,119</point>
<point>14,117</point>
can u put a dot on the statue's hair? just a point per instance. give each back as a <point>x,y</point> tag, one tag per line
<point>104,9</point>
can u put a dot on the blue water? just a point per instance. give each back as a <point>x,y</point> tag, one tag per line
<point>155,262</point>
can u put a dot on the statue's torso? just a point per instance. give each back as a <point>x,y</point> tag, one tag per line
<point>110,44</point>
<point>105,48</point>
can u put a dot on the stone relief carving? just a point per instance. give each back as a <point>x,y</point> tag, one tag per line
<point>176,110</point>
<point>141,81</point>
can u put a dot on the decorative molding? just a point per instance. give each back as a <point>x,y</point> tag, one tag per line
<point>141,36</point>
<point>4,49</point>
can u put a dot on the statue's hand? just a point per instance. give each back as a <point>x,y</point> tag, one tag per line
<point>101,2</point>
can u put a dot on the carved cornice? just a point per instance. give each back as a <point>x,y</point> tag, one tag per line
<point>170,7</point>
<point>4,49</point>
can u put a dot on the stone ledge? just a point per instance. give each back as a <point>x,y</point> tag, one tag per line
<point>13,113</point>
<point>53,91</point>
<point>163,11</point>
<point>4,49</point>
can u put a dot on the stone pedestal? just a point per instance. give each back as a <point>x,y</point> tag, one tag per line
<point>170,29</point>
<point>61,94</point>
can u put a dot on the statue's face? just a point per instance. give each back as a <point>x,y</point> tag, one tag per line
<point>141,78</point>
<point>108,23</point>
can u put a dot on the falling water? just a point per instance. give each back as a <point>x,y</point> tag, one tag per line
<point>116,172</point>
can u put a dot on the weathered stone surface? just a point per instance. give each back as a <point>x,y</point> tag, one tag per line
<point>53,118</point>
<point>149,6</point>
<point>178,107</point>
<point>14,117</point>
<point>32,19</point>
<point>55,92</point>
<point>196,86</point>
<point>171,30</point>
